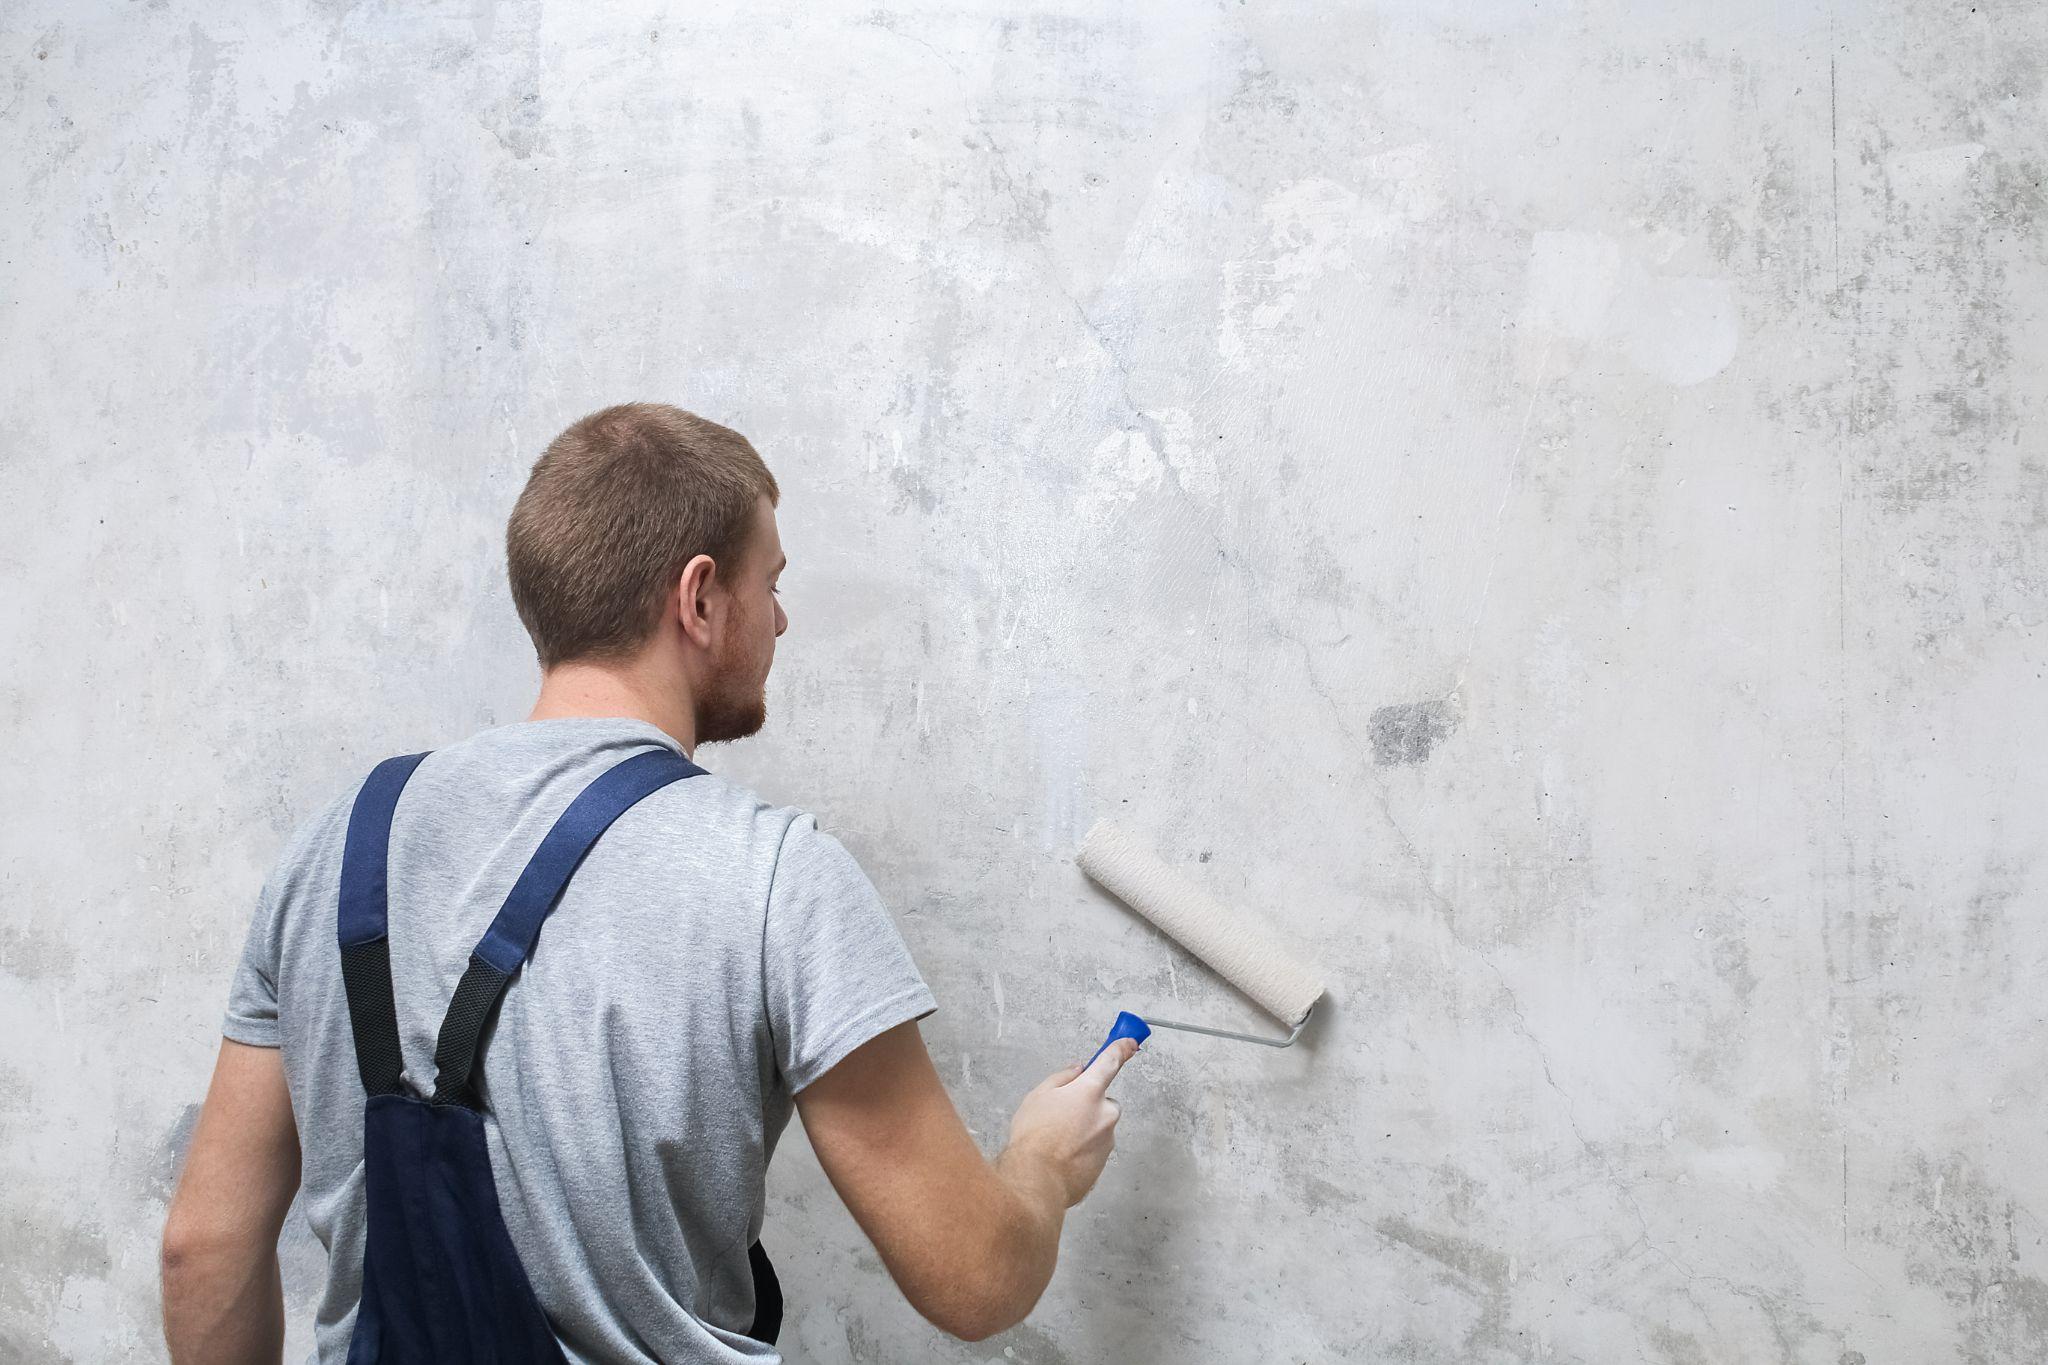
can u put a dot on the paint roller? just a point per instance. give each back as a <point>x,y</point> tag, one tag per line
<point>1240,949</point>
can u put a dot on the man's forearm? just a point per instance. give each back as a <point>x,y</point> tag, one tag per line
<point>222,1305</point>
<point>1033,1237</point>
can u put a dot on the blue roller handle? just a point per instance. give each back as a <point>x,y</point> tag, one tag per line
<point>1127,1025</point>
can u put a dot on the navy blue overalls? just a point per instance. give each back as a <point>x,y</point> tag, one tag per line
<point>441,1281</point>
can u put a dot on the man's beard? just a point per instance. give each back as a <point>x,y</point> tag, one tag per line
<point>732,710</point>
<point>723,718</point>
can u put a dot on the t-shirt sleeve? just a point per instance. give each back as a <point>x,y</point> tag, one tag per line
<point>835,970</point>
<point>252,995</point>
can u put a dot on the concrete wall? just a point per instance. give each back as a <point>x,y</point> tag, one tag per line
<point>1545,502</point>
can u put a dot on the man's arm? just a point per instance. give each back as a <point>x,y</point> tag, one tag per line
<point>223,1304</point>
<point>970,1243</point>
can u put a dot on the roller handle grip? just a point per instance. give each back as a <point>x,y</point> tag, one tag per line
<point>1127,1025</point>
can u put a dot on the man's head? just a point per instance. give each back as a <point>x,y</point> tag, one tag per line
<point>645,540</point>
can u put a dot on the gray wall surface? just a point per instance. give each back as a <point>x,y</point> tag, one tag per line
<point>1543,502</point>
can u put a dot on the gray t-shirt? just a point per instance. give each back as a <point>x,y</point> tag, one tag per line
<point>711,957</point>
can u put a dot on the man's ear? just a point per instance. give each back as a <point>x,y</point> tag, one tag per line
<point>696,607</point>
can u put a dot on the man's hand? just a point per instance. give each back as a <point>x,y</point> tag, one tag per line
<point>223,1304</point>
<point>1067,1124</point>
<point>971,1245</point>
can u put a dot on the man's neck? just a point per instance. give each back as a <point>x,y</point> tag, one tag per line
<point>574,689</point>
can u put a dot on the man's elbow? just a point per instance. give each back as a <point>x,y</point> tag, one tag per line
<point>183,1249</point>
<point>976,1331</point>
<point>190,1246</point>
<point>978,1320</point>
<point>1015,1271</point>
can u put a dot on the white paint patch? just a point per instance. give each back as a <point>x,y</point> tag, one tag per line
<point>898,457</point>
<point>1128,463</point>
<point>1932,172</point>
<point>1311,226</point>
<point>1122,466</point>
<point>1315,227</point>
<point>894,226</point>
<point>1584,287</point>
<point>1192,459</point>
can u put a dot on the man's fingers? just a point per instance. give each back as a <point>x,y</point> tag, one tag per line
<point>1103,1069</point>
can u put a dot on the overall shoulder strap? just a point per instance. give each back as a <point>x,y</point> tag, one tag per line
<point>364,910</point>
<point>509,941</point>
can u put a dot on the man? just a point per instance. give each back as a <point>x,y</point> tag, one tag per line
<point>713,963</point>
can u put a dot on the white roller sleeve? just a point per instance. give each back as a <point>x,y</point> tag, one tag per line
<point>1238,947</point>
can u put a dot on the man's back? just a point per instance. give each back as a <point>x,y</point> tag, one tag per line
<point>712,956</point>
<point>713,961</point>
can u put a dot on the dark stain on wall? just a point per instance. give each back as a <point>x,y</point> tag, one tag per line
<point>171,1158</point>
<point>1408,731</point>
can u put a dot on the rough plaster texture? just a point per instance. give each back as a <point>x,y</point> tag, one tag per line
<point>1545,502</point>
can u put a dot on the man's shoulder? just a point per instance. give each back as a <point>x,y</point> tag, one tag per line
<point>776,839</point>
<point>316,842</point>
<point>318,837</point>
<point>722,807</point>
